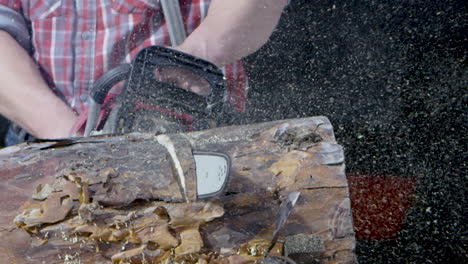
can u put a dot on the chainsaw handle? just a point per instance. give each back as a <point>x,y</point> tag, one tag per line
<point>103,85</point>
<point>99,92</point>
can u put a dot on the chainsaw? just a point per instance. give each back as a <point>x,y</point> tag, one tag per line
<point>146,104</point>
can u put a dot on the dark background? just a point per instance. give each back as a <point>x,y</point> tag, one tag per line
<point>392,79</point>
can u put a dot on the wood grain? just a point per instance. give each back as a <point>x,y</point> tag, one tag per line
<point>269,160</point>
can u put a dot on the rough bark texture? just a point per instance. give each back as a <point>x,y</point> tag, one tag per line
<point>269,160</point>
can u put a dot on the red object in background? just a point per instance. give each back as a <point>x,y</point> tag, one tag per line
<point>379,204</point>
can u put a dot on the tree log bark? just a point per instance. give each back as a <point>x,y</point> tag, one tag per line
<point>269,160</point>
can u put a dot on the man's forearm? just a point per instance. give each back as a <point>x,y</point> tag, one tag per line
<point>25,98</point>
<point>233,29</point>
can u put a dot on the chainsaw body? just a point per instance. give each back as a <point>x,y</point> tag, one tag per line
<point>146,104</point>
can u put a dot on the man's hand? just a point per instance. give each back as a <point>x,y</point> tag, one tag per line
<point>233,30</point>
<point>230,31</point>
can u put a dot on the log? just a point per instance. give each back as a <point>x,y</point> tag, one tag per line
<point>106,177</point>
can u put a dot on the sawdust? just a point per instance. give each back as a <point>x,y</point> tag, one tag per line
<point>143,231</point>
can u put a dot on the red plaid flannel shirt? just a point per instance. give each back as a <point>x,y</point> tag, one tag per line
<point>76,42</point>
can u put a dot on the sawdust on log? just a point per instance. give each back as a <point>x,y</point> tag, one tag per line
<point>144,231</point>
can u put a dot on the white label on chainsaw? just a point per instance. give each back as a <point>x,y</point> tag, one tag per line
<point>212,173</point>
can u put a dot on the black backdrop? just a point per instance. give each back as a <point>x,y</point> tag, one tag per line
<point>392,78</point>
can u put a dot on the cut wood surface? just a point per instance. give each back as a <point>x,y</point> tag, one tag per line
<point>269,160</point>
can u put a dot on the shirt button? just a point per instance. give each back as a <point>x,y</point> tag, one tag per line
<point>85,35</point>
<point>83,97</point>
